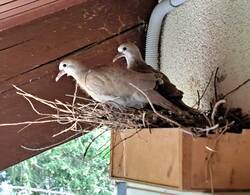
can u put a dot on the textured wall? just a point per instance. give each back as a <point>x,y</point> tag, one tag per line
<point>201,35</point>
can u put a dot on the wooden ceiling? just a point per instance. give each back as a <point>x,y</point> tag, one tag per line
<point>30,53</point>
<point>17,12</point>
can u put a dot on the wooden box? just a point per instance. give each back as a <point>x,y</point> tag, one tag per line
<point>172,158</point>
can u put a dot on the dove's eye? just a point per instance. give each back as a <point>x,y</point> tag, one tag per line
<point>124,48</point>
<point>64,65</point>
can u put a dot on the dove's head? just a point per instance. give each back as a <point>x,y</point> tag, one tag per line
<point>69,67</point>
<point>129,51</point>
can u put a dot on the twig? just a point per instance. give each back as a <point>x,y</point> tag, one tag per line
<point>27,123</point>
<point>153,108</point>
<point>74,97</point>
<point>72,127</point>
<point>199,100</point>
<point>26,126</point>
<point>92,141</point>
<point>236,88</point>
<point>143,119</point>
<point>204,92</point>
<point>208,129</point>
<point>160,115</point>
<point>103,145</point>
<point>207,119</point>
<point>121,141</point>
<point>215,109</point>
<point>212,151</point>
<point>66,114</point>
<point>215,84</point>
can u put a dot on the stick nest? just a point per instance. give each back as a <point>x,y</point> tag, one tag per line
<point>84,115</point>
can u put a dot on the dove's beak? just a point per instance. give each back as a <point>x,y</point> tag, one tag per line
<point>60,74</point>
<point>118,56</point>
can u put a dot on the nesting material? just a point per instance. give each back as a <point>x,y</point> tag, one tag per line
<point>84,115</point>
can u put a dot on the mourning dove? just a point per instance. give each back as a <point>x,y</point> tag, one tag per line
<point>112,83</point>
<point>136,63</point>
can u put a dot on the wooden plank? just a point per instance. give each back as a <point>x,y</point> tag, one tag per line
<point>147,157</point>
<point>41,82</point>
<point>48,39</point>
<point>30,11</point>
<point>27,6</point>
<point>186,161</point>
<point>3,2</point>
<point>107,58</point>
<point>15,4</point>
<point>230,164</point>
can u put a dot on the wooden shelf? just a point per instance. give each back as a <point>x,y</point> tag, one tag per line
<point>169,157</point>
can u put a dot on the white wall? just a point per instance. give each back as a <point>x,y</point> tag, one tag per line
<point>201,35</point>
<point>141,189</point>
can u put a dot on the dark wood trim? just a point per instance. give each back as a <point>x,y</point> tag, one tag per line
<point>15,13</point>
<point>90,31</point>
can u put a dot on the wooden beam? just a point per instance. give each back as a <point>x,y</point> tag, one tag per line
<point>17,12</point>
<point>49,39</point>
<point>30,55</point>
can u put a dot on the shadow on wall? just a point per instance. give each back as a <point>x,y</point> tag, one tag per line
<point>202,35</point>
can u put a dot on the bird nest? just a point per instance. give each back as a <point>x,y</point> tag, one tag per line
<point>83,115</point>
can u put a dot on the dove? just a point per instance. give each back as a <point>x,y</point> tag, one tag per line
<point>115,84</point>
<point>135,62</point>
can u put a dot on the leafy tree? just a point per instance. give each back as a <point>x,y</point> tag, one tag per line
<point>64,168</point>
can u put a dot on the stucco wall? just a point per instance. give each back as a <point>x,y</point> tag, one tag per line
<point>201,35</point>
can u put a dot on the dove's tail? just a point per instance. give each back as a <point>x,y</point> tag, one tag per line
<point>180,104</point>
<point>159,100</point>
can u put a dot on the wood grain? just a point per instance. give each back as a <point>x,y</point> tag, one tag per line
<point>30,54</point>
<point>41,82</point>
<point>149,157</point>
<point>48,39</point>
<point>230,164</point>
<point>18,12</point>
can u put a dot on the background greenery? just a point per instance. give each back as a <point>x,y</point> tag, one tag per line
<point>65,169</point>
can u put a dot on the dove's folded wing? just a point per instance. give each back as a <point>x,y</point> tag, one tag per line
<point>114,84</point>
<point>117,81</point>
<point>165,87</point>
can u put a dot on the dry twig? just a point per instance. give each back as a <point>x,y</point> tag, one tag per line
<point>204,92</point>
<point>215,110</point>
<point>215,84</point>
<point>236,88</point>
<point>153,108</point>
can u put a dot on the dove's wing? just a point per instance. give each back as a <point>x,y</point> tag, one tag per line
<point>159,100</point>
<point>166,88</point>
<point>116,80</point>
<point>113,83</point>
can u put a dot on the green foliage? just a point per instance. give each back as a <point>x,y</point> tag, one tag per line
<point>65,169</point>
